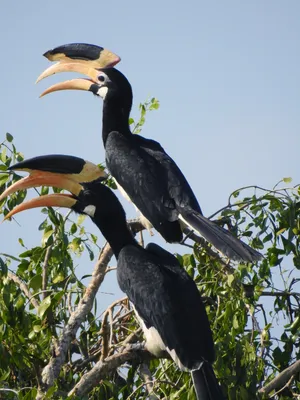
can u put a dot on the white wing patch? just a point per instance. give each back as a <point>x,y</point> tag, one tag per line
<point>144,221</point>
<point>154,343</point>
<point>180,217</point>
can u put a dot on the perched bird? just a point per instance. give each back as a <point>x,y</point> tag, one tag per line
<point>165,298</point>
<point>144,172</point>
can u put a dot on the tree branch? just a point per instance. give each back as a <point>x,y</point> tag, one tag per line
<point>52,369</point>
<point>146,375</point>
<point>45,271</point>
<point>24,289</point>
<point>280,294</point>
<point>104,368</point>
<point>282,378</point>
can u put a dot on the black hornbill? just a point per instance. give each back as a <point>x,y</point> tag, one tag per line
<point>144,171</point>
<point>165,298</point>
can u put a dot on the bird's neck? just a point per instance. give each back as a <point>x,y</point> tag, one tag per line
<point>116,232</point>
<point>115,118</point>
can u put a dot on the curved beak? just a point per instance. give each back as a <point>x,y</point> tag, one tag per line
<point>83,58</point>
<point>60,171</point>
<point>50,200</point>
<point>41,178</point>
<point>72,84</point>
<point>74,168</point>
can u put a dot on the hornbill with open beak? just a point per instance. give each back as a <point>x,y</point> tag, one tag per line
<point>143,171</point>
<point>165,298</point>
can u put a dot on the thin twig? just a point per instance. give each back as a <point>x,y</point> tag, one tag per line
<point>146,375</point>
<point>45,271</point>
<point>104,368</point>
<point>280,294</point>
<point>281,379</point>
<point>104,333</point>
<point>24,289</point>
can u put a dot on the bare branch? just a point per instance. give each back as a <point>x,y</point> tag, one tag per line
<point>45,271</point>
<point>103,368</point>
<point>282,378</point>
<point>104,332</point>
<point>24,289</point>
<point>280,294</point>
<point>52,370</point>
<point>146,375</point>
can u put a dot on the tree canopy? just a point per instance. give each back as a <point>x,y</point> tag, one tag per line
<point>55,345</point>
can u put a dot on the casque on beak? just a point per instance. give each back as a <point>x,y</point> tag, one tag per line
<point>60,171</point>
<point>42,178</point>
<point>86,59</point>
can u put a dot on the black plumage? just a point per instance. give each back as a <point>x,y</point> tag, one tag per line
<point>164,296</point>
<point>149,176</point>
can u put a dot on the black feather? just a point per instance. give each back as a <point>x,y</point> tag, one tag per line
<point>206,384</point>
<point>219,237</point>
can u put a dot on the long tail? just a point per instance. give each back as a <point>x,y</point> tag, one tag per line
<point>206,384</point>
<point>219,237</point>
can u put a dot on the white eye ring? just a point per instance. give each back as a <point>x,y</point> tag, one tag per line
<point>101,78</point>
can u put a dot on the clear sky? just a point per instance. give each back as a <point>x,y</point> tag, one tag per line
<point>226,74</point>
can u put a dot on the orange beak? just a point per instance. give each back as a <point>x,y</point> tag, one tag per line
<point>50,200</point>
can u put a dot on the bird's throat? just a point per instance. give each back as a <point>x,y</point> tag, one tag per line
<point>115,118</point>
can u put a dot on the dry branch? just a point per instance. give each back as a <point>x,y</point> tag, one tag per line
<point>52,369</point>
<point>282,378</point>
<point>45,271</point>
<point>103,368</point>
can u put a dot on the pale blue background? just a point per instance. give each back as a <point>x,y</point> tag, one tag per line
<point>226,74</point>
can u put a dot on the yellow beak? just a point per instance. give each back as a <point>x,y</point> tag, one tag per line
<point>77,57</point>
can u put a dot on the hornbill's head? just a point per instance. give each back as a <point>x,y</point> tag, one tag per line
<point>104,81</point>
<point>81,178</point>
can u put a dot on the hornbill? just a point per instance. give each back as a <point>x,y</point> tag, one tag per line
<point>144,172</point>
<point>165,298</point>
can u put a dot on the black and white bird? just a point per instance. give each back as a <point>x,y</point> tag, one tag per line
<point>144,172</point>
<point>165,298</point>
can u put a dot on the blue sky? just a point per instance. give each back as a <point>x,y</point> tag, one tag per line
<point>226,74</point>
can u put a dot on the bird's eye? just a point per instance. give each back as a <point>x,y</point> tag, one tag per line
<point>101,78</point>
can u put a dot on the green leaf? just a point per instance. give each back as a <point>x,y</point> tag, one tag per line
<point>21,242</point>
<point>230,279</point>
<point>3,179</point>
<point>287,180</point>
<point>80,219</point>
<point>9,137</point>
<point>46,236</point>
<point>3,267</point>
<point>94,238</point>
<point>45,304</point>
<point>36,283</point>
<point>19,303</point>
<point>3,156</point>
<point>73,229</point>
<point>59,278</point>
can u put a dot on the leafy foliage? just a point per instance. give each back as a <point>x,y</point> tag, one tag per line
<point>253,309</point>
